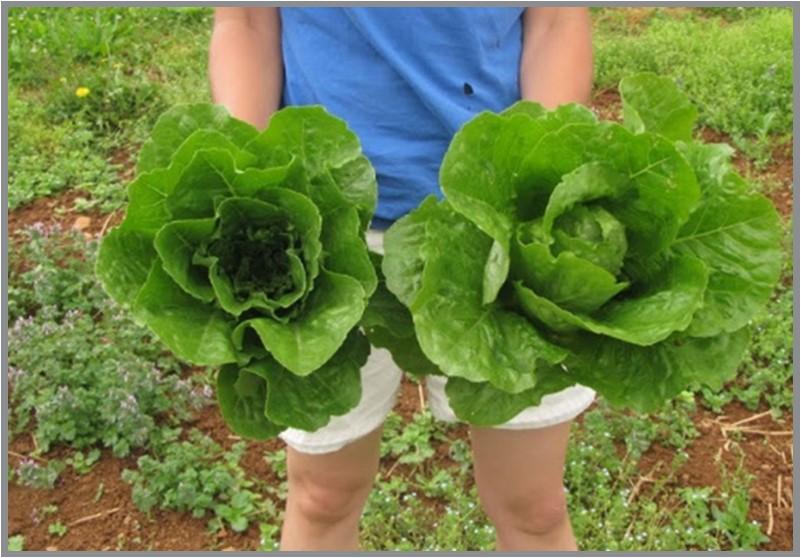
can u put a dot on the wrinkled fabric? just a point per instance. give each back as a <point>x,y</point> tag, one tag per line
<point>405,79</point>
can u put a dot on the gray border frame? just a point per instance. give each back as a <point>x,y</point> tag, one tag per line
<point>657,3</point>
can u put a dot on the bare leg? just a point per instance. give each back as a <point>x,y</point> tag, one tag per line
<point>327,494</point>
<point>519,474</point>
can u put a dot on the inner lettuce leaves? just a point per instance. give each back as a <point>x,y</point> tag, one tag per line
<point>246,250</point>
<point>628,258</point>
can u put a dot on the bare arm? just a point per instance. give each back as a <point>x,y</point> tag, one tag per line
<point>245,64</point>
<point>556,63</point>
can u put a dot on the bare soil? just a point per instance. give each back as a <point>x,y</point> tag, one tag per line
<point>59,210</point>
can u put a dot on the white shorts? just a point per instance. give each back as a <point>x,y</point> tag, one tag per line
<point>381,380</point>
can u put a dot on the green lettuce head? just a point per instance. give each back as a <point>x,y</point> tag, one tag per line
<point>628,258</point>
<point>246,250</point>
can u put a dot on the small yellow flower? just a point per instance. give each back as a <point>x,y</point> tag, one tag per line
<point>62,79</point>
<point>82,92</point>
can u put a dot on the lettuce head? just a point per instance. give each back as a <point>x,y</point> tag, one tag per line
<point>245,250</point>
<point>628,258</point>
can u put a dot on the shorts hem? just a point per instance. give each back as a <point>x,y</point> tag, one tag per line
<point>544,422</point>
<point>330,446</point>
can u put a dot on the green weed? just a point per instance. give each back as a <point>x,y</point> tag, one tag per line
<point>83,463</point>
<point>197,476</point>
<point>57,529</point>
<point>36,474</point>
<point>16,543</point>
<point>79,364</point>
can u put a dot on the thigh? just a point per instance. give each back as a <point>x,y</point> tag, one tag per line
<point>514,468</point>
<point>350,469</point>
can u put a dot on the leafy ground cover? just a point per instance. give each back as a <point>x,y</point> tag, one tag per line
<point>713,470</point>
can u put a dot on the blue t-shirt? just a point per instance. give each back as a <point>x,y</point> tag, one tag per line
<point>405,80</point>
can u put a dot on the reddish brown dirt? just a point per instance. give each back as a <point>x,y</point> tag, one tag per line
<point>778,172</point>
<point>766,452</point>
<point>114,521</point>
<point>606,104</point>
<point>60,210</point>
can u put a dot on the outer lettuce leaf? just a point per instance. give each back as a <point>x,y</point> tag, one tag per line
<point>737,234</point>
<point>653,103</point>
<point>309,402</point>
<point>526,108</point>
<point>203,182</point>
<point>403,244</point>
<point>346,250</point>
<point>388,324</point>
<point>254,181</point>
<point>474,188</point>
<point>263,398</point>
<point>147,202</point>
<point>459,334</point>
<point>194,332</point>
<point>123,263</point>
<point>329,149</point>
<point>241,395</point>
<point>482,404</point>
<point>643,378</point>
<point>178,123</point>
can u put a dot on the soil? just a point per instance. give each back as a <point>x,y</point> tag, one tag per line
<point>59,209</point>
<point>124,159</point>
<point>763,445</point>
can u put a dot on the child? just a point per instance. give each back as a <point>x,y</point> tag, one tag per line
<point>405,79</point>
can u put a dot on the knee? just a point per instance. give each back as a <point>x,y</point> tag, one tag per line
<point>537,514</point>
<point>328,501</point>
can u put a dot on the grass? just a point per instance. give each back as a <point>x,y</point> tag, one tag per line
<point>132,62</point>
<point>736,67</point>
<point>734,63</point>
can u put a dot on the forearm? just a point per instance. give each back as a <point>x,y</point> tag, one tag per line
<point>245,64</point>
<point>556,62</point>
